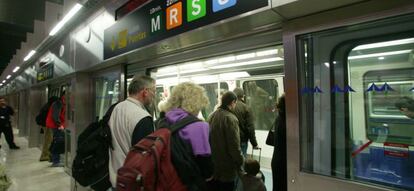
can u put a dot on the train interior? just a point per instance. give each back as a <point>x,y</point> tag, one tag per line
<point>381,74</point>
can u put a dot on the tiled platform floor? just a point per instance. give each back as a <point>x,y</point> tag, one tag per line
<point>27,173</point>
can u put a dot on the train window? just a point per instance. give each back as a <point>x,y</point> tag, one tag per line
<point>387,77</point>
<point>383,105</point>
<point>213,93</point>
<point>357,103</point>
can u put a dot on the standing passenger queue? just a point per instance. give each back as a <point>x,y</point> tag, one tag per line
<point>181,152</point>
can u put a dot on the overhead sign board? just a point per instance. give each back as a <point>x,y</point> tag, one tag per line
<point>160,19</point>
<point>45,72</point>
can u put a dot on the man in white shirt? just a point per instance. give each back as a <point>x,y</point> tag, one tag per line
<point>130,122</point>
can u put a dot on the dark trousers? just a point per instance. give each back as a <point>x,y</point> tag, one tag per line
<point>56,147</point>
<point>6,129</point>
<point>224,186</point>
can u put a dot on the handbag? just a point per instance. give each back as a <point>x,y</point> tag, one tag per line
<point>270,140</point>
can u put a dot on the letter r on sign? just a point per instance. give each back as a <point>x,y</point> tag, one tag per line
<point>174,16</point>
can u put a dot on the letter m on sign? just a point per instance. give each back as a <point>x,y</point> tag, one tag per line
<point>156,22</point>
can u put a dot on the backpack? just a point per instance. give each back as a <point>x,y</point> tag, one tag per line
<point>42,115</point>
<point>90,166</point>
<point>148,165</point>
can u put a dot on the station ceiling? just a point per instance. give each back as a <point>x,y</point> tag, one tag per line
<point>16,20</point>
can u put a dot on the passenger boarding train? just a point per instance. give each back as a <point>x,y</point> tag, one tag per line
<point>359,53</point>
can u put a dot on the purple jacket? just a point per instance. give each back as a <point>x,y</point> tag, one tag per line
<point>197,134</point>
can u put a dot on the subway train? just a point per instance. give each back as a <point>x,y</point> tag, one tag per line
<point>343,65</point>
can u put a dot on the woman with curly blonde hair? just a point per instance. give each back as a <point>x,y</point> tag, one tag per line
<point>189,97</point>
<point>186,100</point>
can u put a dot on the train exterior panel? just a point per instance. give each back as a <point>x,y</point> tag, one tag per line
<point>343,133</point>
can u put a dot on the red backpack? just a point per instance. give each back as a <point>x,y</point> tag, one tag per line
<point>148,165</point>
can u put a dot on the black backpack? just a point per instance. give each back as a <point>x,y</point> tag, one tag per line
<point>90,166</point>
<point>42,115</point>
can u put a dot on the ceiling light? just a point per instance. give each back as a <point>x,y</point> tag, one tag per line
<point>31,53</point>
<point>191,65</point>
<point>247,63</point>
<point>267,52</point>
<point>16,69</point>
<point>245,56</point>
<point>379,54</point>
<point>169,69</point>
<point>227,59</point>
<point>233,75</point>
<point>8,77</point>
<point>4,81</point>
<point>173,80</point>
<point>65,19</point>
<point>204,79</point>
<point>381,58</point>
<point>326,64</point>
<point>385,44</point>
<point>211,62</point>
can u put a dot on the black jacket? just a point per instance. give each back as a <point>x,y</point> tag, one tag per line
<point>279,159</point>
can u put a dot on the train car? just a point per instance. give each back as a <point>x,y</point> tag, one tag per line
<point>343,65</point>
<point>351,70</point>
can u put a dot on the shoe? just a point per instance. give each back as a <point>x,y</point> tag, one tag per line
<point>15,147</point>
<point>56,165</point>
<point>44,159</point>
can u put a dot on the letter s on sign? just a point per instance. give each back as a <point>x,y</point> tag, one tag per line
<point>197,8</point>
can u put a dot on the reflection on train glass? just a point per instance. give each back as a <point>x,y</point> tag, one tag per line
<point>261,96</point>
<point>107,91</point>
<point>385,70</point>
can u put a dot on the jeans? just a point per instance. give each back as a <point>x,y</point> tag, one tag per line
<point>244,146</point>
<point>56,156</point>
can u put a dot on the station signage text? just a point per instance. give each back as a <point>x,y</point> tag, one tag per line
<point>160,19</point>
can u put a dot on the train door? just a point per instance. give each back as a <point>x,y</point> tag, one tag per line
<point>356,107</point>
<point>35,98</point>
<point>107,92</point>
<point>62,90</point>
<point>46,93</point>
<point>65,91</point>
<point>259,72</point>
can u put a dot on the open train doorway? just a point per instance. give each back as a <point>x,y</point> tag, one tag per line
<point>259,72</point>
